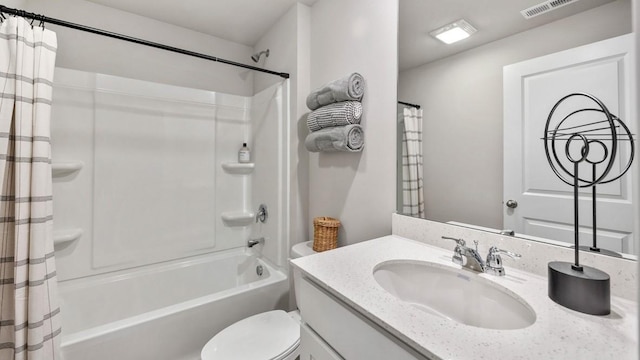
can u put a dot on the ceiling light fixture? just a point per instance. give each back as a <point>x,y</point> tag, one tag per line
<point>453,32</point>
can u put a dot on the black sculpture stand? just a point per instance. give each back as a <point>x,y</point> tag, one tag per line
<point>582,288</point>
<point>587,291</point>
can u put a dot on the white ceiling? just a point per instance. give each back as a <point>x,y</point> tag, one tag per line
<point>240,21</point>
<point>245,21</point>
<point>494,19</point>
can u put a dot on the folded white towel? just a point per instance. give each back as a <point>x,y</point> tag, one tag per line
<point>341,138</point>
<point>336,114</point>
<point>348,88</point>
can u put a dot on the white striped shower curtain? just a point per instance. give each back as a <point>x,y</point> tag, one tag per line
<point>412,191</point>
<point>30,320</point>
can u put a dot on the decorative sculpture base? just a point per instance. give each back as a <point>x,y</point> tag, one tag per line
<point>587,291</point>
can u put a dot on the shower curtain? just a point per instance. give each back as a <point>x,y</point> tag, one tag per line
<point>412,193</point>
<point>30,320</point>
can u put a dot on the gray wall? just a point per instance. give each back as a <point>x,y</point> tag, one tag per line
<point>88,52</point>
<point>288,41</point>
<point>329,40</point>
<point>462,100</point>
<point>357,188</point>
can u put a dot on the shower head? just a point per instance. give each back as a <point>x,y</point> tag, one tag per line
<point>255,57</point>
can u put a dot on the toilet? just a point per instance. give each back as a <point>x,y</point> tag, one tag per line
<point>271,335</point>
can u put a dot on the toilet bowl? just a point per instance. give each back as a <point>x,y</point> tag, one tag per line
<point>271,335</point>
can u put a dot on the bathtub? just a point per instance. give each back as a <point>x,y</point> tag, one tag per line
<point>165,311</point>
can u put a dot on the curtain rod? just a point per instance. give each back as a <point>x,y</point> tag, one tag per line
<point>45,19</point>
<point>409,104</point>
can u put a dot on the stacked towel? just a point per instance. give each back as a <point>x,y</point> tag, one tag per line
<point>334,121</point>
<point>341,138</point>
<point>336,114</point>
<point>348,88</point>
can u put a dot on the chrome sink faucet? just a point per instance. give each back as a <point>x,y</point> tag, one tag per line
<point>466,256</point>
<point>470,258</point>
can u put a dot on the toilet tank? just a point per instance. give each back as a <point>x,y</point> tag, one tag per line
<point>302,249</point>
<point>297,251</point>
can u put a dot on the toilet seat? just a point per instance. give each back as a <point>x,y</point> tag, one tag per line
<point>271,335</point>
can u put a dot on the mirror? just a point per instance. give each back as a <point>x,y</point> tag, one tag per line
<point>459,88</point>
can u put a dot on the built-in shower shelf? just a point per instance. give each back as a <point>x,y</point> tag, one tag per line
<point>59,169</point>
<point>61,237</point>
<point>238,168</point>
<point>237,218</point>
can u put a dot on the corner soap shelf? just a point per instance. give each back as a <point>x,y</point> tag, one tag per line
<point>61,237</point>
<point>238,168</point>
<point>60,169</point>
<point>237,218</point>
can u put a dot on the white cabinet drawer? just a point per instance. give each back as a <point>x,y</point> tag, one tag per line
<point>349,333</point>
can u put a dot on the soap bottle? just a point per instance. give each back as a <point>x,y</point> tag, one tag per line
<point>244,154</point>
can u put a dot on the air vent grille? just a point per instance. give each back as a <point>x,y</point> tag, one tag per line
<point>544,7</point>
<point>466,26</point>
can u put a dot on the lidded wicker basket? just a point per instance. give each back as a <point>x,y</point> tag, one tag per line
<point>325,233</point>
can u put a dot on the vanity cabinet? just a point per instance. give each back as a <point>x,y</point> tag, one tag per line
<point>312,347</point>
<point>331,329</point>
<point>352,308</point>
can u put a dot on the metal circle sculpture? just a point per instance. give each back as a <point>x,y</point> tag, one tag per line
<point>583,132</point>
<point>604,133</point>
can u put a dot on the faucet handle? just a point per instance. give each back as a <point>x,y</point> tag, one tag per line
<point>457,252</point>
<point>494,260</point>
<point>460,242</point>
<point>508,232</point>
<point>495,250</point>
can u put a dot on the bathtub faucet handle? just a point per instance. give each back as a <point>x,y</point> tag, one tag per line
<point>262,214</point>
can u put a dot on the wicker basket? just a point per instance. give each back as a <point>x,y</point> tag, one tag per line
<point>325,233</point>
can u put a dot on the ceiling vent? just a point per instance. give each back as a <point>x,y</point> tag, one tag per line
<point>544,7</point>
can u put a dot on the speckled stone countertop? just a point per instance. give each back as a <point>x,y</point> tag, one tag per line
<point>558,332</point>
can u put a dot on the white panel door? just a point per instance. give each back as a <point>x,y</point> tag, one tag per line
<point>545,203</point>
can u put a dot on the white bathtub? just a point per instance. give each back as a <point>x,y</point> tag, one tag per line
<point>165,311</point>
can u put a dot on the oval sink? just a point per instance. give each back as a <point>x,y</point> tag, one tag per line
<point>454,294</point>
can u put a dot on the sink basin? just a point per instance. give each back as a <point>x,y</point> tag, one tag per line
<point>454,294</point>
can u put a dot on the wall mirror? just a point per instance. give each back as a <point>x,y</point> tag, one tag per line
<point>460,89</point>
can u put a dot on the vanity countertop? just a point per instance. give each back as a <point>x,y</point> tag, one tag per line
<point>558,332</point>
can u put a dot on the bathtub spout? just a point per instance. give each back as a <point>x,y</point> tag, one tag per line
<point>254,242</point>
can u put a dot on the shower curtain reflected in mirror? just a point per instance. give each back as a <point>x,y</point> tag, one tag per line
<point>29,312</point>
<point>412,183</point>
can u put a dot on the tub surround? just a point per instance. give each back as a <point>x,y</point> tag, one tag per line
<point>119,177</point>
<point>558,333</point>
<point>535,255</point>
